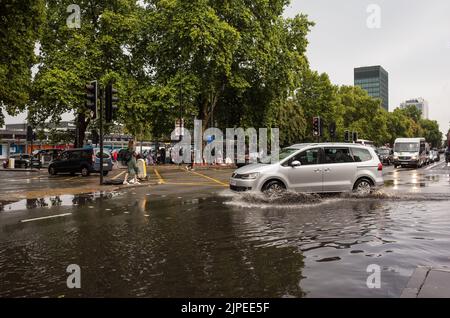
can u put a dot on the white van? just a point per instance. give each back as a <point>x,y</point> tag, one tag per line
<point>410,152</point>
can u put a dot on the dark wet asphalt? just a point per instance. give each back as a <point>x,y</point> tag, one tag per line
<point>190,237</point>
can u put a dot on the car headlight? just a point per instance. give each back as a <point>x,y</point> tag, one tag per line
<point>414,157</point>
<point>395,157</point>
<point>250,176</point>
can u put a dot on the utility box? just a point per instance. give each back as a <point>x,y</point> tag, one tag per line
<point>11,163</point>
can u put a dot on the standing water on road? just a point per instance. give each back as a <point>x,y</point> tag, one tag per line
<point>227,245</point>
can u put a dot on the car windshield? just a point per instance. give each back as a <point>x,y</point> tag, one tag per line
<point>284,153</point>
<point>406,147</point>
<point>105,155</point>
<point>383,151</point>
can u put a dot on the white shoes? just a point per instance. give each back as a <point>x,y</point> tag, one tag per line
<point>125,182</point>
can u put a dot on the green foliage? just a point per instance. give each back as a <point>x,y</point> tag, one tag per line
<point>20,26</point>
<point>431,132</point>
<point>244,57</point>
<point>70,58</point>
<point>234,63</point>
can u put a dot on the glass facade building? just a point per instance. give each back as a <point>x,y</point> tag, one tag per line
<point>374,80</point>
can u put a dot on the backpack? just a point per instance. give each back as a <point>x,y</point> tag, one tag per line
<point>126,156</point>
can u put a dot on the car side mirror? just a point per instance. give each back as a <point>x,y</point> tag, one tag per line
<point>296,163</point>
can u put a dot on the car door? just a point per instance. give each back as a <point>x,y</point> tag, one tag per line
<point>61,164</point>
<point>339,169</point>
<point>308,176</point>
<point>74,162</point>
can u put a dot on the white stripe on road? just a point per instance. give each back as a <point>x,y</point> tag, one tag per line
<point>434,165</point>
<point>117,177</point>
<point>46,217</point>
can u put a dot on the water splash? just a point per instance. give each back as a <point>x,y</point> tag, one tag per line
<point>291,199</point>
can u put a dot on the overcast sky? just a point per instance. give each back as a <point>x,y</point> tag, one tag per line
<point>412,44</point>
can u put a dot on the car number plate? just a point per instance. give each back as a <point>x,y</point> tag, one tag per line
<point>232,182</point>
<point>105,165</point>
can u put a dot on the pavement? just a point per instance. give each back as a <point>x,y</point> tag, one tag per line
<point>428,282</point>
<point>38,184</point>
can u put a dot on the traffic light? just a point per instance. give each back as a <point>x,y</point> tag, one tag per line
<point>347,136</point>
<point>110,100</point>
<point>317,127</point>
<point>30,134</point>
<point>355,136</point>
<point>91,98</point>
<point>332,130</point>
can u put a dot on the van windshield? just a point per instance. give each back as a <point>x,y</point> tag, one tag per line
<point>284,153</point>
<point>406,147</point>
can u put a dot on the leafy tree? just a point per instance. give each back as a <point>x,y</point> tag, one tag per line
<point>290,119</point>
<point>431,132</point>
<point>399,126</point>
<point>70,58</point>
<point>359,112</point>
<point>316,96</point>
<point>412,112</point>
<point>20,26</point>
<point>244,57</point>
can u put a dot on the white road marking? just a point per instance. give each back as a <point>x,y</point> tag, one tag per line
<point>434,165</point>
<point>117,177</point>
<point>46,217</point>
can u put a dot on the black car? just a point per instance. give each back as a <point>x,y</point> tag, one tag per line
<point>386,155</point>
<point>22,160</point>
<point>43,157</point>
<point>80,161</point>
<point>447,155</point>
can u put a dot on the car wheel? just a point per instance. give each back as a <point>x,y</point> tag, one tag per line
<point>52,171</point>
<point>85,172</point>
<point>363,187</point>
<point>274,187</point>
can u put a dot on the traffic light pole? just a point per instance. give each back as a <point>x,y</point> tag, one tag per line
<point>101,137</point>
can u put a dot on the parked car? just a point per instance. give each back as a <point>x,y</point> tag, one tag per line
<point>434,156</point>
<point>386,155</point>
<point>313,168</point>
<point>22,160</point>
<point>447,155</point>
<point>84,161</point>
<point>45,156</point>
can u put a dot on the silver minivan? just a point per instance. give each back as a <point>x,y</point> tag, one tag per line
<point>314,168</point>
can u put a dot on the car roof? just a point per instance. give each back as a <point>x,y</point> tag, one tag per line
<point>329,144</point>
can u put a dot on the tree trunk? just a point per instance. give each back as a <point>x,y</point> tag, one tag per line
<point>209,105</point>
<point>82,125</point>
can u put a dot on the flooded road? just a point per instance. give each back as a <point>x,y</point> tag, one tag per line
<point>204,241</point>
